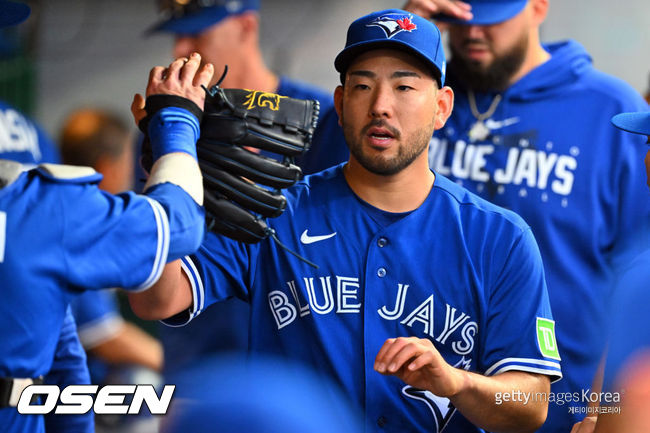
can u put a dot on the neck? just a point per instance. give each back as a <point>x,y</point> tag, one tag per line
<point>536,56</point>
<point>401,192</point>
<point>252,73</point>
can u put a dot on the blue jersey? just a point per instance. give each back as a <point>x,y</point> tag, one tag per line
<point>550,154</point>
<point>472,283</point>
<point>60,235</point>
<point>98,320</point>
<point>629,327</point>
<point>186,345</point>
<point>69,368</point>
<point>23,140</point>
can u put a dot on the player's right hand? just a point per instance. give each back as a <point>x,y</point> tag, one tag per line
<point>183,77</point>
<point>429,8</point>
<point>418,363</point>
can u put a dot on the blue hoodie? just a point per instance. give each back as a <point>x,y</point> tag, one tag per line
<point>552,156</point>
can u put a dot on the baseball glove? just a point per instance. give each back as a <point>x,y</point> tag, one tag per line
<point>242,187</point>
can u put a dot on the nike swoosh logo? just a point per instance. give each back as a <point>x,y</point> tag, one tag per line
<point>496,124</point>
<point>306,239</point>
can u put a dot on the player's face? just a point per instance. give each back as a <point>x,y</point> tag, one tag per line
<point>487,57</point>
<point>389,108</point>
<point>219,44</point>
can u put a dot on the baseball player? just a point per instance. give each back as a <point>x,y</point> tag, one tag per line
<point>626,374</point>
<point>423,325</point>
<point>224,33</point>
<point>59,233</point>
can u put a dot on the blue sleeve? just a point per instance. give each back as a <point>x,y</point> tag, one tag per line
<point>222,268</point>
<point>186,219</point>
<point>629,326</point>
<point>631,220</point>
<point>520,331</point>
<point>173,129</point>
<point>97,315</point>
<point>124,240</point>
<point>69,368</point>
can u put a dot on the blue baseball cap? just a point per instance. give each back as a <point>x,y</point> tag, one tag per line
<point>638,122</point>
<point>486,12</point>
<point>194,16</point>
<point>12,13</point>
<point>395,28</point>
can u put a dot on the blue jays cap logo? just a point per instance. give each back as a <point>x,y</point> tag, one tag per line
<point>393,24</point>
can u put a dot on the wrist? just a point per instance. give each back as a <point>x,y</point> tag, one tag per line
<point>462,381</point>
<point>173,129</point>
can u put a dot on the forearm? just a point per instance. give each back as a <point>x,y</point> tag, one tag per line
<point>487,401</point>
<point>170,295</point>
<point>131,345</point>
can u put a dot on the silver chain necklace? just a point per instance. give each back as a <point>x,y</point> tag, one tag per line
<point>479,131</point>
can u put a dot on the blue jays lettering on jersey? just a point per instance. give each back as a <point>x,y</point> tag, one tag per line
<point>22,140</point>
<point>550,154</point>
<point>628,326</point>
<point>472,283</point>
<point>187,344</point>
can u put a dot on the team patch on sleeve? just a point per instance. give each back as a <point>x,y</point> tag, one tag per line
<point>546,338</point>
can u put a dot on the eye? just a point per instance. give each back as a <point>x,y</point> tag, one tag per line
<point>361,86</point>
<point>404,88</point>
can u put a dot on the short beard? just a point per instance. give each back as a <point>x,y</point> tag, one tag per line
<point>406,154</point>
<point>496,77</point>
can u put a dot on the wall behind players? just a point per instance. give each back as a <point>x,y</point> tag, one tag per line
<point>83,39</point>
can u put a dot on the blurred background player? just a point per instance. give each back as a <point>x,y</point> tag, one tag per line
<point>627,365</point>
<point>529,132</point>
<point>118,350</point>
<point>263,395</point>
<point>224,33</point>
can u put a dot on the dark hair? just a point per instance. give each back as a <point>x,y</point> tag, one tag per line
<point>89,134</point>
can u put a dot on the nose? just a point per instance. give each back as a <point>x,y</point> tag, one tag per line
<point>474,32</point>
<point>381,105</point>
<point>183,46</point>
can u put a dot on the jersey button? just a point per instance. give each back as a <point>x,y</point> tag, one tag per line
<point>381,421</point>
<point>381,272</point>
<point>381,242</point>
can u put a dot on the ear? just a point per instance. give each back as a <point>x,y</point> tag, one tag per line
<point>539,9</point>
<point>338,102</point>
<point>249,23</point>
<point>445,103</point>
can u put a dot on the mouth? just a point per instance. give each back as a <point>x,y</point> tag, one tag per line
<point>475,50</point>
<point>379,137</point>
